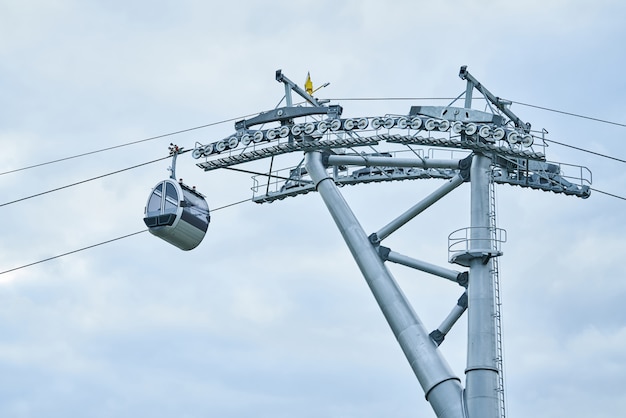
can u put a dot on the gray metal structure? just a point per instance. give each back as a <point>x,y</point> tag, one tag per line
<point>483,148</point>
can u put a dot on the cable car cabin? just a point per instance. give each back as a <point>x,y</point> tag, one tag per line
<point>177,214</point>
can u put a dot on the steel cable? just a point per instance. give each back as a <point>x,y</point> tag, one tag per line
<point>83,181</point>
<point>101,243</point>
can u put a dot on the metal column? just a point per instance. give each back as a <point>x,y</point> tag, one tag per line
<point>442,388</point>
<point>481,393</point>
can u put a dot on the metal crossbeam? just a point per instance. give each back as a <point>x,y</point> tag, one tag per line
<point>546,176</point>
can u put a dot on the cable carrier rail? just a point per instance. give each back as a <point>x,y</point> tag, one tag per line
<point>502,135</point>
<point>456,144</point>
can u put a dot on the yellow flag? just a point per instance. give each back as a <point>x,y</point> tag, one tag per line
<point>308,84</point>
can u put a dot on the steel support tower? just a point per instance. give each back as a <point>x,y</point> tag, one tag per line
<point>494,147</point>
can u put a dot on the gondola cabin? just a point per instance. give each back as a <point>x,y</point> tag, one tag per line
<point>177,214</point>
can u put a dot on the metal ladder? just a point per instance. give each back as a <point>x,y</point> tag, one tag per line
<point>496,286</point>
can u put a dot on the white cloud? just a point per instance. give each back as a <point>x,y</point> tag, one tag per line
<point>269,316</point>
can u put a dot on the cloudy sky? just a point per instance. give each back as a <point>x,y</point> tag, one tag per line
<point>269,316</point>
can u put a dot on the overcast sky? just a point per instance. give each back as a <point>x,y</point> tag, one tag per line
<point>269,316</point>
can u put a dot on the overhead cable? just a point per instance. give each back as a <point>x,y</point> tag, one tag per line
<point>371,99</point>
<point>102,243</point>
<point>570,114</point>
<point>512,101</point>
<point>125,144</point>
<point>72,252</point>
<point>85,181</point>
<point>139,232</point>
<point>586,150</point>
<point>252,114</point>
<point>608,194</point>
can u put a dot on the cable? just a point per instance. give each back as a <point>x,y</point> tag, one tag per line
<point>85,181</point>
<point>139,232</point>
<point>252,114</point>
<point>366,99</point>
<point>230,204</point>
<point>142,231</point>
<point>243,171</point>
<point>72,252</point>
<point>570,114</point>
<point>126,144</point>
<point>102,243</point>
<point>608,194</point>
<point>242,201</point>
<point>512,101</point>
<point>586,150</point>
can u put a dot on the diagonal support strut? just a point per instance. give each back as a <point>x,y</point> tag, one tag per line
<point>442,388</point>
